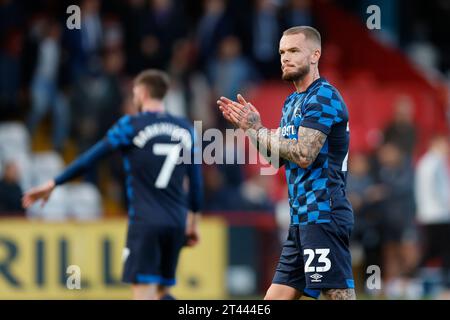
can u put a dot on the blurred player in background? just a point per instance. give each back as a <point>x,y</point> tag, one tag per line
<point>312,142</point>
<point>151,143</point>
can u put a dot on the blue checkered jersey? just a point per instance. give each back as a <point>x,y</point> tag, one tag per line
<point>318,190</point>
<point>158,152</point>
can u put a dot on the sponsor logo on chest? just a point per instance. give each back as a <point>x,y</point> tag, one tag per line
<point>287,131</point>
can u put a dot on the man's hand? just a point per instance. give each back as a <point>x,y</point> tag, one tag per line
<point>192,234</point>
<point>41,192</point>
<point>241,114</point>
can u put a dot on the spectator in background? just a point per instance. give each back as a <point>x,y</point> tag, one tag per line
<point>10,191</point>
<point>212,27</point>
<point>432,190</point>
<point>389,33</point>
<point>134,16</point>
<point>180,70</point>
<point>45,93</point>
<point>265,37</point>
<point>365,196</point>
<point>399,234</point>
<point>85,44</point>
<point>298,13</point>
<point>165,24</point>
<point>218,193</point>
<point>190,91</point>
<point>151,31</point>
<point>11,38</point>
<point>250,196</point>
<point>401,131</point>
<point>255,194</point>
<point>97,99</point>
<point>10,70</point>
<point>113,33</point>
<point>422,52</point>
<point>11,17</point>
<point>91,29</point>
<point>230,72</point>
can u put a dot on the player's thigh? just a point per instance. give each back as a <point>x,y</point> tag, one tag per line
<point>326,253</point>
<point>171,243</point>
<point>289,278</point>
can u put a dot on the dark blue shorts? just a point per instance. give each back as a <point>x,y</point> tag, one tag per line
<point>317,256</point>
<point>151,254</point>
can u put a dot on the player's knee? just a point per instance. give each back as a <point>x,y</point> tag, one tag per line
<point>278,292</point>
<point>164,293</point>
<point>270,296</point>
<point>144,292</point>
<point>339,294</point>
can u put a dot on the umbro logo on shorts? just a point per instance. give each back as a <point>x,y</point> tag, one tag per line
<point>316,277</point>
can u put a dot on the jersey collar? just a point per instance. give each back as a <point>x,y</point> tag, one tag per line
<point>312,85</point>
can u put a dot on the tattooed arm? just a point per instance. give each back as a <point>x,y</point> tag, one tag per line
<point>274,159</point>
<point>303,151</point>
<point>270,144</point>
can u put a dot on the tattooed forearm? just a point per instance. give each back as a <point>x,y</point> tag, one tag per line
<point>340,294</point>
<point>302,151</point>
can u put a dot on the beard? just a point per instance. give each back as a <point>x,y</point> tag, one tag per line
<point>299,74</point>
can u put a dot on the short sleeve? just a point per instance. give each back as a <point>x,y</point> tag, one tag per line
<point>322,110</point>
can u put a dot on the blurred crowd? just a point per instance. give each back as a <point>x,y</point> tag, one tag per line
<point>402,210</point>
<point>76,83</point>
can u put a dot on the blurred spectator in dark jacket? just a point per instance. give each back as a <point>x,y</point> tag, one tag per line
<point>11,17</point>
<point>212,27</point>
<point>84,45</point>
<point>10,71</point>
<point>97,99</point>
<point>399,234</point>
<point>151,32</point>
<point>298,13</point>
<point>45,92</point>
<point>401,131</point>
<point>218,194</point>
<point>179,96</point>
<point>251,195</point>
<point>134,15</point>
<point>166,23</point>
<point>266,30</point>
<point>230,72</point>
<point>11,38</point>
<point>365,196</point>
<point>10,191</point>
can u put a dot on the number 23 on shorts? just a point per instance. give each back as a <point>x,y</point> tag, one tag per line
<point>325,263</point>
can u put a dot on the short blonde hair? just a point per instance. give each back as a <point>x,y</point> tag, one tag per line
<point>310,33</point>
